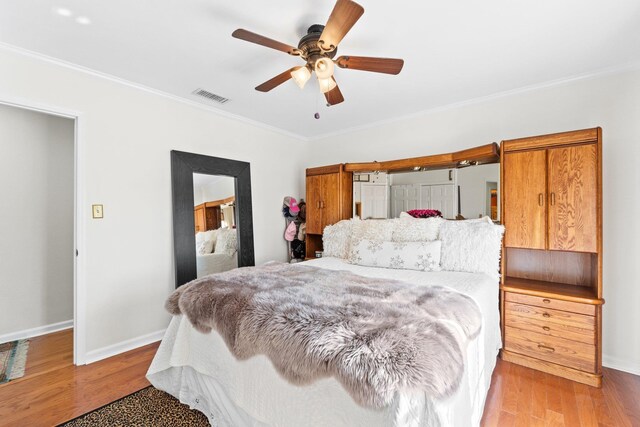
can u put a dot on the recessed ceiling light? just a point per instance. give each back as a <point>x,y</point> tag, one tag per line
<point>63,12</point>
<point>83,20</point>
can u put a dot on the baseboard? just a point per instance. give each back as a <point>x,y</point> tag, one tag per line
<point>35,332</point>
<point>621,364</point>
<point>121,347</point>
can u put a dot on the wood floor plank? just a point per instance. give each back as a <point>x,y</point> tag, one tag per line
<point>603,413</point>
<point>569,404</point>
<point>509,392</point>
<point>539,395</point>
<point>506,419</point>
<point>554,419</point>
<point>586,409</point>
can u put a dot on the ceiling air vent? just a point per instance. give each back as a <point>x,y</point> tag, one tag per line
<point>210,96</point>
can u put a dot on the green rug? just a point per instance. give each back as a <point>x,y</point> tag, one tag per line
<point>13,359</point>
<point>147,407</point>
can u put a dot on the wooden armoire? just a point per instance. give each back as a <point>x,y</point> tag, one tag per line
<point>551,287</point>
<point>329,200</point>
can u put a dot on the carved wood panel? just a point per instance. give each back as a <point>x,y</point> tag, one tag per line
<point>572,198</point>
<point>525,199</point>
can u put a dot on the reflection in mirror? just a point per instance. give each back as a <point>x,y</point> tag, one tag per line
<point>216,236</point>
<point>462,193</point>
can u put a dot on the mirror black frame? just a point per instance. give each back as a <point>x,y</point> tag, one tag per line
<point>183,166</point>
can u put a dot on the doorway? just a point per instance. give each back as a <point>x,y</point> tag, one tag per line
<point>39,224</point>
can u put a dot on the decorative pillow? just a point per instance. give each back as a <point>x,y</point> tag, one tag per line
<point>336,239</point>
<point>227,241</point>
<point>416,229</point>
<point>205,247</point>
<point>211,235</point>
<point>379,230</point>
<point>423,256</point>
<point>471,246</point>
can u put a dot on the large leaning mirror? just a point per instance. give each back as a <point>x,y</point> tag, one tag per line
<point>459,193</point>
<point>212,215</point>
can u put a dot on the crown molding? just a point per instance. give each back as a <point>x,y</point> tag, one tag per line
<point>632,66</point>
<point>69,65</point>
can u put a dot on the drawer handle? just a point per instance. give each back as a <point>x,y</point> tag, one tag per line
<point>546,328</point>
<point>546,301</point>
<point>546,315</point>
<point>544,347</point>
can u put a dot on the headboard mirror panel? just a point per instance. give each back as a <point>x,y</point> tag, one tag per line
<point>461,185</point>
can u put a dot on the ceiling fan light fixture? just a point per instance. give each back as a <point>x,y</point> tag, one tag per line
<point>324,68</point>
<point>301,76</point>
<point>326,85</point>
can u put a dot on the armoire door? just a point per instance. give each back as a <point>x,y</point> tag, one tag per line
<point>314,197</point>
<point>330,200</point>
<point>573,184</point>
<point>525,198</point>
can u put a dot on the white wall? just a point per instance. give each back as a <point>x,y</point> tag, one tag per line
<point>127,134</point>
<point>611,101</point>
<point>36,220</point>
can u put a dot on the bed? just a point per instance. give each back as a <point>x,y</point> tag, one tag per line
<point>201,372</point>
<point>215,263</point>
<point>216,251</point>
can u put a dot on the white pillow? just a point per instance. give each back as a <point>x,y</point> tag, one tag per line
<point>416,229</point>
<point>199,237</point>
<point>422,256</point>
<point>471,246</point>
<point>205,247</point>
<point>211,235</point>
<point>336,239</point>
<point>227,241</point>
<point>379,230</point>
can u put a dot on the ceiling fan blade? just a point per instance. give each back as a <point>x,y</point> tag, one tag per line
<point>264,41</point>
<point>377,65</point>
<point>334,96</point>
<point>276,81</point>
<point>344,15</point>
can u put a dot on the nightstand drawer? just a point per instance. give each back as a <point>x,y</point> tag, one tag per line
<point>548,315</point>
<point>564,352</point>
<point>543,326</point>
<point>556,304</point>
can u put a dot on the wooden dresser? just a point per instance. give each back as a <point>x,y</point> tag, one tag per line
<point>551,289</point>
<point>329,200</point>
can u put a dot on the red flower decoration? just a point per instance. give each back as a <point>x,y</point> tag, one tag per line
<point>425,213</point>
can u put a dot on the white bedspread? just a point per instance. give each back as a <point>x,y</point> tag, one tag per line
<point>200,371</point>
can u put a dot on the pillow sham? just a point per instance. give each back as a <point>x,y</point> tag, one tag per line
<point>336,239</point>
<point>471,246</point>
<point>204,247</point>
<point>410,229</point>
<point>227,242</point>
<point>422,256</point>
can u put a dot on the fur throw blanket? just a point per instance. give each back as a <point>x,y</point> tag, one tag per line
<point>375,336</point>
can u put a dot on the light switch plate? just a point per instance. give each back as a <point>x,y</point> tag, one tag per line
<point>97,211</point>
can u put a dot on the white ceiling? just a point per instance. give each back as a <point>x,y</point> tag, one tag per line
<point>454,51</point>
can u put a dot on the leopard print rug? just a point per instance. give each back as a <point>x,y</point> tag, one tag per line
<point>147,407</point>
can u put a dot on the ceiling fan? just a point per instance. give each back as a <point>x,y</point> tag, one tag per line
<point>318,48</point>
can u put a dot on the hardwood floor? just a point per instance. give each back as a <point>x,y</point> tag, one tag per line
<point>54,390</point>
<point>521,396</point>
